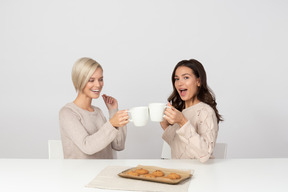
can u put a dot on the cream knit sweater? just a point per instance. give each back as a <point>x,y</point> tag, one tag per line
<point>196,139</point>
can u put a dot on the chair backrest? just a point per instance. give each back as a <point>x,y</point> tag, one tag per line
<point>114,154</point>
<point>220,151</point>
<point>55,149</point>
<point>166,151</point>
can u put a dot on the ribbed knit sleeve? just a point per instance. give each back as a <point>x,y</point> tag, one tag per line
<point>73,128</point>
<point>197,137</point>
<point>200,144</point>
<point>118,143</point>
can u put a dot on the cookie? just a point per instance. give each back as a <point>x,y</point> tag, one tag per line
<point>173,176</point>
<point>158,173</point>
<point>133,173</point>
<point>142,171</point>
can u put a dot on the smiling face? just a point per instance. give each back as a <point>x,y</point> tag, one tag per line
<point>94,85</point>
<point>186,84</point>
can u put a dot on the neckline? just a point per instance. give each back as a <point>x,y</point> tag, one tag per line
<point>193,106</point>
<point>84,109</point>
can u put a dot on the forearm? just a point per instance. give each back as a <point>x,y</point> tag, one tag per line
<point>198,145</point>
<point>91,144</point>
<point>118,143</point>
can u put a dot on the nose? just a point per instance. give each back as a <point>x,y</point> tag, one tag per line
<point>179,82</point>
<point>97,84</point>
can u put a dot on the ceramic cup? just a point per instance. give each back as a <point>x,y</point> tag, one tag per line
<point>139,116</point>
<point>156,111</point>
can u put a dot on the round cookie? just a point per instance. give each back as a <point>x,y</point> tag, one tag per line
<point>133,173</point>
<point>173,176</point>
<point>158,173</point>
<point>142,171</point>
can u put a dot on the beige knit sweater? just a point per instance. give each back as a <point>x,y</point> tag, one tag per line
<point>196,139</point>
<point>88,135</point>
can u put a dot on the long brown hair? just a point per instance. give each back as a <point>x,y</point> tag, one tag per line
<point>204,94</point>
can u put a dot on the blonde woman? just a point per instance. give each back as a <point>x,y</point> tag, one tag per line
<point>85,132</point>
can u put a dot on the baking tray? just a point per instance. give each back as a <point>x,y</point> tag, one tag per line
<point>184,174</point>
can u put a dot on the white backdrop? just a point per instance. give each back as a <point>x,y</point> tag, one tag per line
<point>242,44</point>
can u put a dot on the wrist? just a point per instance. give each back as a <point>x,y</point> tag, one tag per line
<point>113,125</point>
<point>182,122</point>
<point>164,124</point>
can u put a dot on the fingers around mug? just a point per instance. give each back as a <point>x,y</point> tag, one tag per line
<point>124,122</point>
<point>168,113</point>
<point>124,112</point>
<point>164,117</point>
<point>124,118</point>
<point>168,119</point>
<point>168,107</point>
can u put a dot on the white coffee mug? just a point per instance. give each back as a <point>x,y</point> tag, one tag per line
<point>139,116</point>
<point>156,111</point>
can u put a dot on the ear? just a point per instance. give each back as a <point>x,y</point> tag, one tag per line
<point>198,82</point>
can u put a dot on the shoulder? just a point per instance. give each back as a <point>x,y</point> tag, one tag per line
<point>207,108</point>
<point>67,107</point>
<point>204,110</point>
<point>68,110</point>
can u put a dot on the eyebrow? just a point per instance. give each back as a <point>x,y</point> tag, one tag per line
<point>184,74</point>
<point>95,78</point>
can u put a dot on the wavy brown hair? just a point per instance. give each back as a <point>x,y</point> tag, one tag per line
<point>204,94</point>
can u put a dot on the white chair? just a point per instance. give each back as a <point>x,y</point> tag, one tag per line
<point>115,154</point>
<point>55,149</point>
<point>220,151</point>
<point>166,151</point>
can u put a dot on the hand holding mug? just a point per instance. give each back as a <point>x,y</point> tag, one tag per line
<point>173,116</point>
<point>120,118</point>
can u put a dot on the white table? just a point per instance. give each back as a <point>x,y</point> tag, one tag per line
<point>215,175</point>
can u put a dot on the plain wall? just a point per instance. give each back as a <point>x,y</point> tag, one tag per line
<point>242,45</point>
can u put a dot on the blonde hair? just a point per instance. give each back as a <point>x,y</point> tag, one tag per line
<point>82,70</point>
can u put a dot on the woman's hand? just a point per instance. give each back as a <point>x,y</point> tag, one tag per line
<point>111,103</point>
<point>173,116</point>
<point>120,118</point>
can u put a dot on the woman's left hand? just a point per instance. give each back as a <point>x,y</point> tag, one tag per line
<point>173,116</point>
<point>110,102</point>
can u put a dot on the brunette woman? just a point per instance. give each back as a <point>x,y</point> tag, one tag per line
<point>191,122</point>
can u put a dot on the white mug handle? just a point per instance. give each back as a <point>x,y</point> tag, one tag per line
<point>131,120</point>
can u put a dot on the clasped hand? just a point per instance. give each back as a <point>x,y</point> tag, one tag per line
<point>172,116</point>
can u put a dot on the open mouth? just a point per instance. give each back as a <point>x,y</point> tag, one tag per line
<point>97,91</point>
<point>182,92</point>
